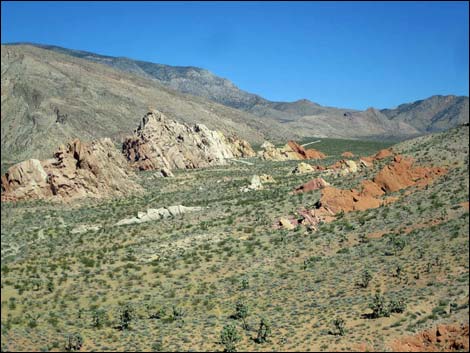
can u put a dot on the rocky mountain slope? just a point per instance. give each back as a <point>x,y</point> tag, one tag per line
<point>48,98</point>
<point>51,94</point>
<point>436,113</point>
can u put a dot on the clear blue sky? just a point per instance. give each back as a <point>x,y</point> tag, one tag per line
<point>349,54</point>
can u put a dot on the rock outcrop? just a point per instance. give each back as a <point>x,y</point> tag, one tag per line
<point>161,143</point>
<point>443,338</point>
<point>303,168</point>
<point>78,169</point>
<point>153,214</point>
<point>347,154</point>
<point>402,173</point>
<point>291,151</point>
<point>257,182</point>
<point>314,184</point>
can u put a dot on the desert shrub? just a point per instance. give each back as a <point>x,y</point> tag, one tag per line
<point>397,306</point>
<point>73,342</point>
<point>98,318</point>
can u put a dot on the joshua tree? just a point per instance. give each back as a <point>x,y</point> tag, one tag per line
<point>365,279</point>
<point>125,317</point>
<point>241,312</point>
<point>73,342</point>
<point>229,337</point>
<point>379,307</point>
<point>339,326</point>
<point>264,331</point>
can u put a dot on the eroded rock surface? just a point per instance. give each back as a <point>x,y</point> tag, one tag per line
<point>443,338</point>
<point>291,151</point>
<point>153,214</point>
<point>160,143</point>
<point>78,169</point>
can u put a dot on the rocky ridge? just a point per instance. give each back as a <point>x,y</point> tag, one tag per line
<point>160,143</point>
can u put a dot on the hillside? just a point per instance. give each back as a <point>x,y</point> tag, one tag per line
<point>436,113</point>
<point>49,98</point>
<point>366,280</point>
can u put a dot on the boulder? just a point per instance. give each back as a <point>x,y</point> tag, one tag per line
<point>153,214</point>
<point>291,151</point>
<point>402,173</point>
<point>383,154</point>
<point>255,184</point>
<point>303,168</point>
<point>286,224</point>
<point>314,184</point>
<point>347,154</point>
<point>266,179</point>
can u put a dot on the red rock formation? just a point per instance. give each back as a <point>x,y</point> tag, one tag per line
<point>314,184</point>
<point>347,154</point>
<point>401,174</point>
<point>443,338</point>
<point>303,153</point>
<point>338,200</point>
<point>383,154</point>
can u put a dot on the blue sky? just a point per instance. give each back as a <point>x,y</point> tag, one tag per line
<point>344,54</point>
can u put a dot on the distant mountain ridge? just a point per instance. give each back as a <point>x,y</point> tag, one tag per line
<point>435,113</point>
<point>50,94</point>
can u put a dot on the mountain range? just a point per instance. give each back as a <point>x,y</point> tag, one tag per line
<point>51,94</point>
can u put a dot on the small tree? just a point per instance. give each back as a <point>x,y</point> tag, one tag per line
<point>365,279</point>
<point>244,284</point>
<point>264,331</point>
<point>379,307</point>
<point>73,343</point>
<point>339,325</point>
<point>241,312</point>
<point>229,337</point>
<point>125,317</point>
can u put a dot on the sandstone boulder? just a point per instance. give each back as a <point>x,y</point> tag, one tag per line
<point>266,179</point>
<point>383,154</point>
<point>314,184</point>
<point>255,184</point>
<point>303,168</point>
<point>153,214</point>
<point>291,151</point>
<point>286,224</point>
<point>347,154</point>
